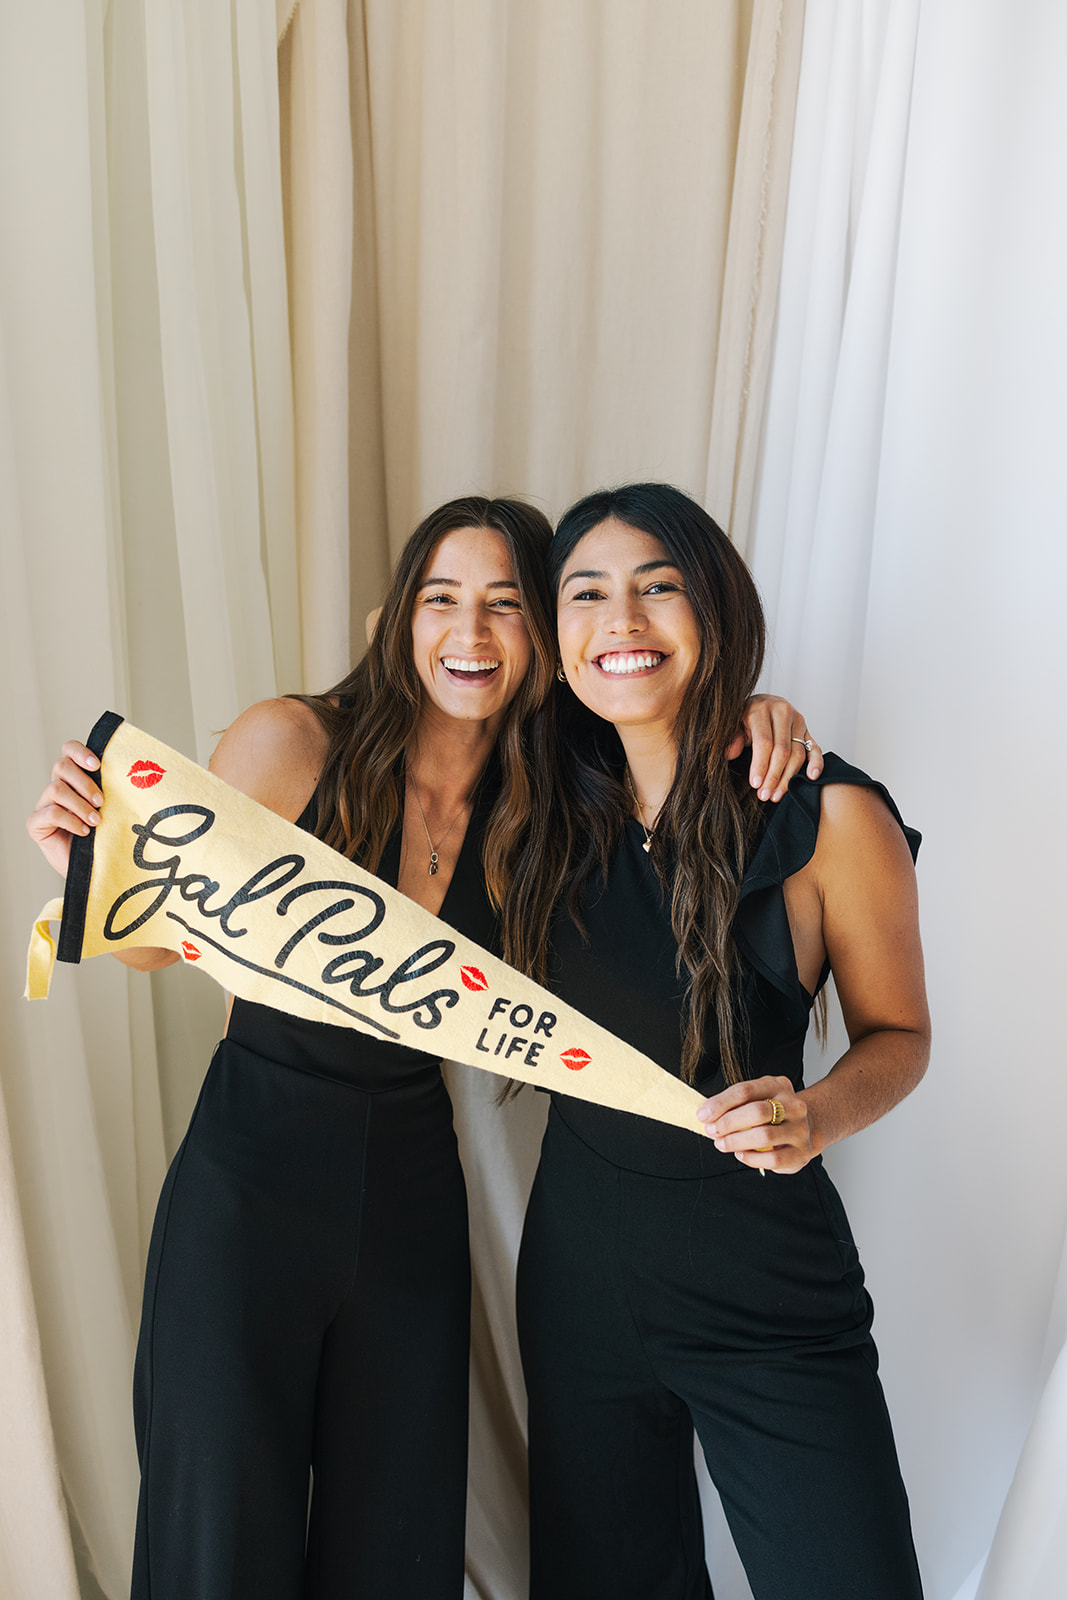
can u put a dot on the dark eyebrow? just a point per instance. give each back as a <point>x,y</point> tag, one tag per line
<point>454,583</point>
<point>646,566</point>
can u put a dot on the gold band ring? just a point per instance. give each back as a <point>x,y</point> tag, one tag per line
<point>777,1112</point>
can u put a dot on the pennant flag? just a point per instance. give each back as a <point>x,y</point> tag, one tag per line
<point>182,860</point>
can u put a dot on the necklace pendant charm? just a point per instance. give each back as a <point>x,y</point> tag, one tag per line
<point>433,864</point>
<point>647,846</point>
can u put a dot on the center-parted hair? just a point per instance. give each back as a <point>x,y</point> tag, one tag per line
<point>371,714</point>
<point>704,833</point>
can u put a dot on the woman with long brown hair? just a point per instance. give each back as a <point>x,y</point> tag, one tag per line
<point>670,1282</point>
<point>307,1301</point>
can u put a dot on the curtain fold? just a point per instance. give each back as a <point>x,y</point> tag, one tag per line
<point>147,563</point>
<point>808,548</point>
<point>257,135</point>
<point>1029,1551</point>
<point>36,1557</point>
<point>909,488</point>
<point>318,143</point>
<point>753,263</point>
<point>563,233</point>
<point>205,349</point>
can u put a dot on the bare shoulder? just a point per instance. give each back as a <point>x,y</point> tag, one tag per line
<point>273,752</point>
<point>856,821</point>
<point>854,808</point>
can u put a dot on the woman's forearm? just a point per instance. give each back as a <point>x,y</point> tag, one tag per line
<point>875,1073</point>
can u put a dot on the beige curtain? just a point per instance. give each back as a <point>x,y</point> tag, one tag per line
<point>563,220</point>
<point>147,563</point>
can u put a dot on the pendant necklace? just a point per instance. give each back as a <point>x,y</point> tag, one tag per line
<point>648,832</point>
<point>434,849</point>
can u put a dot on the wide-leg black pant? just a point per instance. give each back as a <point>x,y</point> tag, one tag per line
<point>307,1308</point>
<point>734,1305</point>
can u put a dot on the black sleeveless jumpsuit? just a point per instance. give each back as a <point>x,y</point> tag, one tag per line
<point>307,1307</point>
<point>664,1287</point>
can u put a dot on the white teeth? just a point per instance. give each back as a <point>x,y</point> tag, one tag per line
<point>620,665</point>
<point>458,664</point>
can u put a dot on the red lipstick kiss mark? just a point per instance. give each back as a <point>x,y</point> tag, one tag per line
<point>189,951</point>
<point>145,774</point>
<point>473,979</point>
<point>575,1059</point>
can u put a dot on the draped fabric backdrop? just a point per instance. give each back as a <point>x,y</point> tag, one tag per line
<point>263,305</point>
<point>563,224</point>
<point>147,562</point>
<point>910,544</point>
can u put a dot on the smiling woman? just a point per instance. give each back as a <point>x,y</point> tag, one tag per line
<point>662,1288</point>
<point>624,614</point>
<point>307,1300</point>
<point>470,642</point>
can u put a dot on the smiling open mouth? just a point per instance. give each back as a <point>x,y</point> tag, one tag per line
<point>622,664</point>
<point>464,670</point>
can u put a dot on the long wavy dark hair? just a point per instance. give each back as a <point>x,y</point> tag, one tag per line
<point>370,716</point>
<point>705,830</point>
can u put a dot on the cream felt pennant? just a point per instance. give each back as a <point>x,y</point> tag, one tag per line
<point>182,860</point>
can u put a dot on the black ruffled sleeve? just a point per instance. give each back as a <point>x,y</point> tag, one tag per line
<point>761,927</point>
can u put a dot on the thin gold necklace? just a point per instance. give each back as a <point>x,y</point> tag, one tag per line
<point>648,832</point>
<point>435,848</point>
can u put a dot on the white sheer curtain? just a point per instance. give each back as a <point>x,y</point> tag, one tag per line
<point>147,563</point>
<point>909,540</point>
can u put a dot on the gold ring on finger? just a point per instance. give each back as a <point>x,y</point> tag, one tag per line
<point>777,1112</point>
